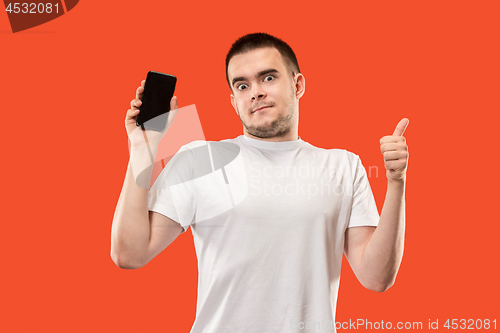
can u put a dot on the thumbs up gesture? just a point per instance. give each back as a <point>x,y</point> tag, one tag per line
<point>395,152</point>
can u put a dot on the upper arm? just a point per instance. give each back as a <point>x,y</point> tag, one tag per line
<point>163,231</point>
<point>355,242</point>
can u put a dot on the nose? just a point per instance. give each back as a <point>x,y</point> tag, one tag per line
<point>257,92</point>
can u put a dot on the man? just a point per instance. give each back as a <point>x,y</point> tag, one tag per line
<point>271,261</point>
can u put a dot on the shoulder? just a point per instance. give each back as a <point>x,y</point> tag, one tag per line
<point>192,145</point>
<point>214,151</point>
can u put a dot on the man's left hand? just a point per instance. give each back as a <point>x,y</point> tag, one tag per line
<point>395,152</point>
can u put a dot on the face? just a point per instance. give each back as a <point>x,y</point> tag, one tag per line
<point>265,95</point>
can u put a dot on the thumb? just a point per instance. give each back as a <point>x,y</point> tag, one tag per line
<point>173,103</point>
<point>400,129</point>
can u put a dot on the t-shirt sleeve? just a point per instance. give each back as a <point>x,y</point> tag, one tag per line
<point>364,210</point>
<point>172,194</point>
<point>160,201</point>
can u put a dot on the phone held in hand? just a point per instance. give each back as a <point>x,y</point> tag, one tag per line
<point>158,91</point>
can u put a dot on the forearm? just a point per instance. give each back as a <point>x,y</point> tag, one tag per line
<point>384,251</point>
<point>130,231</point>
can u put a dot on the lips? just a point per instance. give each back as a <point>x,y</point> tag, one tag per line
<point>261,108</point>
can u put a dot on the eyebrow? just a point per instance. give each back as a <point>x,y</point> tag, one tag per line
<point>261,73</point>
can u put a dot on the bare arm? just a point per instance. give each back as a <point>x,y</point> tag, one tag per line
<point>375,254</point>
<point>138,235</point>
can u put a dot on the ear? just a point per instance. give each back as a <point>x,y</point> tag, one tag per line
<point>233,103</point>
<point>300,85</point>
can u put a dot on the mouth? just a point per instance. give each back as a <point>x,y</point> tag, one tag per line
<point>261,108</point>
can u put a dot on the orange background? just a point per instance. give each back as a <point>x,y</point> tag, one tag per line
<point>66,86</point>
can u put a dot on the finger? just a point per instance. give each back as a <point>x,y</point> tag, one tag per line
<point>140,90</point>
<point>392,139</point>
<point>173,103</point>
<point>395,155</point>
<point>400,129</point>
<point>396,165</point>
<point>131,114</point>
<point>135,103</point>
<point>393,146</point>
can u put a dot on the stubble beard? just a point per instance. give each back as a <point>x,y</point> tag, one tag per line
<point>278,127</point>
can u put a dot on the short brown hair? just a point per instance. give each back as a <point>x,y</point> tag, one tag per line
<point>257,40</point>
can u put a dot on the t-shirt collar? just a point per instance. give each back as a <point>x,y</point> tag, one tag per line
<point>282,145</point>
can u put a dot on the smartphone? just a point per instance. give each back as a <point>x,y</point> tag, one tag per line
<point>158,91</point>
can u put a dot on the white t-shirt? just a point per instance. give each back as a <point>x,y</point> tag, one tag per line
<point>268,222</point>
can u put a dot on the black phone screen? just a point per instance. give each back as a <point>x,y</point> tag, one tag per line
<point>158,91</point>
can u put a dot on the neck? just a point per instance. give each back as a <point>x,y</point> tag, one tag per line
<point>290,136</point>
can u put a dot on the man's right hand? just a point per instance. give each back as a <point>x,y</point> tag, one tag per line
<point>137,134</point>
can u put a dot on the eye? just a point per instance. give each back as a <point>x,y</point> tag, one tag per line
<point>271,76</point>
<point>239,87</point>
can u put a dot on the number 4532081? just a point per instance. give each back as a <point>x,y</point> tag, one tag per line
<point>32,8</point>
<point>470,324</point>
